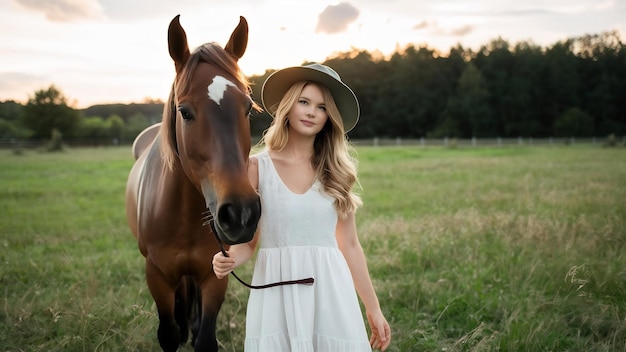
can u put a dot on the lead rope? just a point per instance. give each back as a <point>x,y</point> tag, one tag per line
<point>307,281</point>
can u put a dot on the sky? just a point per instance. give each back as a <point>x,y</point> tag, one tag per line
<point>115,51</point>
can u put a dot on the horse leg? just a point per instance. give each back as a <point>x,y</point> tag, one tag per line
<point>163,294</point>
<point>184,294</point>
<point>213,292</point>
<point>195,313</point>
<point>186,310</point>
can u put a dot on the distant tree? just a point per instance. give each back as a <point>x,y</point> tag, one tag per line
<point>10,123</point>
<point>526,89</point>
<point>11,110</point>
<point>562,82</point>
<point>93,128</point>
<point>7,129</point>
<point>136,123</point>
<point>116,126</point>
<point>152,109</point>
<point>471,108</point>
<point>47,110</point>
<point>602,71</point>
<point>448,126</point>
<point>495,62</point>
<point>574,123</point>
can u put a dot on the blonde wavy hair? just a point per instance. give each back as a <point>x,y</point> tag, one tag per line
<point>333,158</point>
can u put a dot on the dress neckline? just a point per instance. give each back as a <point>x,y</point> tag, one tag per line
<point>271,162</point>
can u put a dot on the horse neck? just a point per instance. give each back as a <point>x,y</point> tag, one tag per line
<point>183,186</point>
<point>174,185</point>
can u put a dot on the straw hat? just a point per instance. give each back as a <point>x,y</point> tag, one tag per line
<point>277,84</point>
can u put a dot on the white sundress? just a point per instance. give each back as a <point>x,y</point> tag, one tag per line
<point>297,241</point>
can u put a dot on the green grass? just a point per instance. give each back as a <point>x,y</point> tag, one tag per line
<point>470,249</point>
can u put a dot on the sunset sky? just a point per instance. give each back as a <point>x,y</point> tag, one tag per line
<point>115,51</point>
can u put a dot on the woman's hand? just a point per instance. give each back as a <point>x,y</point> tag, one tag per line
<point>381,333</point>
<point>222,265</point>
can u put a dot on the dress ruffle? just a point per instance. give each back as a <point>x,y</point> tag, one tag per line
<point>280,342</point>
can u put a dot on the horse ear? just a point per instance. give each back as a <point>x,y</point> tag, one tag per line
<point>238,39</point>
<point>177,43</point>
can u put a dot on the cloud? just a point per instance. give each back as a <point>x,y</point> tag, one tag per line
<point>421,25</point>
<point>64,10</point>
<point>336,18</point>
<point>134,10</point>
<point>435,29</point>
<point>11,82</point>
<point>462,31</point>
<point>522,12</point>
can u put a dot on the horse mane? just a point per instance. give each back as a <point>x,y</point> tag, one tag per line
<point>212,54</point>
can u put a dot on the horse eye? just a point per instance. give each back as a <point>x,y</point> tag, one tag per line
<point>185,114</point>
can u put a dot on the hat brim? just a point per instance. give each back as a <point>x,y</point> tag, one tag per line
<point>277,84</point>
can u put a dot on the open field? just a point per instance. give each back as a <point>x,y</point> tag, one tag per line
<point>470,249</point>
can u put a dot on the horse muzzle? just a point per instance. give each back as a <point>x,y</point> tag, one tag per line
<point>238,220</point>
<point>235,218</point>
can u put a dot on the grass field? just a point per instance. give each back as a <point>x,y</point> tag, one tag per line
<point>470,249</point>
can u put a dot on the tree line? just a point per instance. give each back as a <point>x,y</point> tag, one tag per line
<point>573,88</point>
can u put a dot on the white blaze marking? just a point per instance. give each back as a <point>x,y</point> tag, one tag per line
<point>218,87</point>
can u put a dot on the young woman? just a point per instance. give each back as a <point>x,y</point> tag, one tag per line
<point>307,229</point>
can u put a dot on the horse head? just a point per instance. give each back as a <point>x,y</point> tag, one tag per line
<point>206,129</point>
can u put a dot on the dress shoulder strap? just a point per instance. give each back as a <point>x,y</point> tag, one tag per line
<point>263,160</point>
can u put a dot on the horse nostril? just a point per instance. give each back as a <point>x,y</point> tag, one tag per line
<point>227,216</point>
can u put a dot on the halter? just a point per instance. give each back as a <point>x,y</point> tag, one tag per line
<point>307,281</point>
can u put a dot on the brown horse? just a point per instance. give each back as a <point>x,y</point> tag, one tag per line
<point>191,171</point>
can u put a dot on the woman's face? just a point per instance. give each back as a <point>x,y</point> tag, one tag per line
<point>308,116</point>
